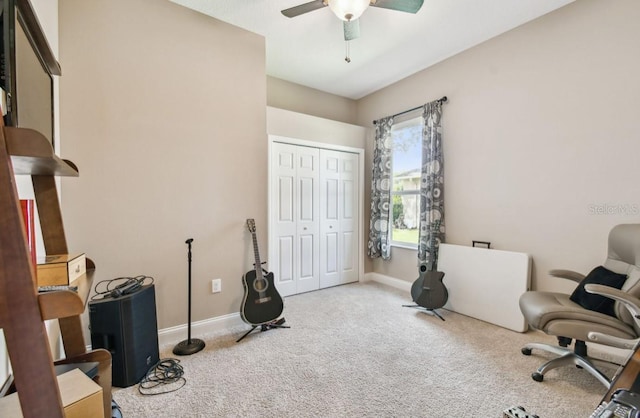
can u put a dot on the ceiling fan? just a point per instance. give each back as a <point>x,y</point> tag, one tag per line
<point>350,10</point>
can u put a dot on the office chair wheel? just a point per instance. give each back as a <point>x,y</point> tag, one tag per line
<point>526,351</point>
<point>538,377</point>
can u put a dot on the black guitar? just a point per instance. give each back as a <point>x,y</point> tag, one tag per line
<point>428,290</point>
<point>261,303</point>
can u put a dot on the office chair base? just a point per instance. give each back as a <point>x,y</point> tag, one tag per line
<point>567,357</point>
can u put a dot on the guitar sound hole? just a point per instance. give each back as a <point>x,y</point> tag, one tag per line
<point>260,285</point>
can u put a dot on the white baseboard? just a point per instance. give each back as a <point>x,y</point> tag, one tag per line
<point>174,335</point>
<point>388,280</point>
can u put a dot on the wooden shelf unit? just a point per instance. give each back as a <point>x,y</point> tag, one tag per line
<point>22,310</point>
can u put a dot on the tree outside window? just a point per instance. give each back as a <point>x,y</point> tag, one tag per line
<point>406,140</point>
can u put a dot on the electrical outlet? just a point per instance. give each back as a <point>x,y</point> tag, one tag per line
<point>216,285</point>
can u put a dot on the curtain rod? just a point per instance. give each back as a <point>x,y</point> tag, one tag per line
<point>443,99</point>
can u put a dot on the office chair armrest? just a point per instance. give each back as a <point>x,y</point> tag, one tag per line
<point>567,274</point>
<point>632,303</point>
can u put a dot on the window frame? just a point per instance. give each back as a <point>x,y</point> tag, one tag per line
<point>419,121</point>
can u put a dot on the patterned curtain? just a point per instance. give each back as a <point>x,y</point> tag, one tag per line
<point>381,192</point>
<point>431,185</point>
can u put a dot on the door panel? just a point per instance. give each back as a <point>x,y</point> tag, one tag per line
<point>330,214</point>
<point>347,207</point>
<point>349,223</point>
<point>307,278</point>
<point>339,217</point>
<point>285,265</point>
<point>308,219</point>
<point>347,254</point>
<point>284,195</point>
<point>307,212</point>
<point>294,201</point>
<point>331,259</point>
<point>331,199</point>
<point>285,199</point>
<point>306,256</point>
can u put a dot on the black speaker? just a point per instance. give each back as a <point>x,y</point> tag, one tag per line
<point>127,327</point>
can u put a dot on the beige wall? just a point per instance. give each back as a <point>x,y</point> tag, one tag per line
<point>313,128</point>
<point>163,111</point>
<point>290,96</point>
<point>540,133</point>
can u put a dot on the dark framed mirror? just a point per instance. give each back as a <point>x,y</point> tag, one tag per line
<point>27,67</point>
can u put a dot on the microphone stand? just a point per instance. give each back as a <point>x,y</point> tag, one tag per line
<point>189,346</point>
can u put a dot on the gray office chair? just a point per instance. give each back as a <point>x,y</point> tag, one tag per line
<point>558,315</point>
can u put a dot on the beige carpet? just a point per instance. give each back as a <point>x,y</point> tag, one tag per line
<point>354,351</point>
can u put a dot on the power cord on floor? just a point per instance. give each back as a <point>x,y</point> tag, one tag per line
<point>116,412</point>
<point>165,372</point>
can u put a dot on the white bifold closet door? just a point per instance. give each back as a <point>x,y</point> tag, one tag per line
<point>338,218</point>
<point>295,218</point>
<point>314,218</point>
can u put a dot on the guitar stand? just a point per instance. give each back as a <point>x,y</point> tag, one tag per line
<point>433,311</point>
<point>265,327</point>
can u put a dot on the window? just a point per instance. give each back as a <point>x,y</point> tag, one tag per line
<point>406,140</point>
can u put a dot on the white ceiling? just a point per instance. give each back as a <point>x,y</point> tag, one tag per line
<point>310,49</point>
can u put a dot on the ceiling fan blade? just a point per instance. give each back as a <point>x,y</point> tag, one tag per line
<point>303,8</point>
<point>351,29</point>
<point>409,6</point>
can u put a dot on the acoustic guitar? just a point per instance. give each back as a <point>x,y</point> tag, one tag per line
<point>428,290</point>
<point>261,303</point>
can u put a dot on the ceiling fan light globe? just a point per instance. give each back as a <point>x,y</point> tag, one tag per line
<point>348,9</point>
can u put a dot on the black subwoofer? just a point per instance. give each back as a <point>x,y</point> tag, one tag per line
<point>127,327</point>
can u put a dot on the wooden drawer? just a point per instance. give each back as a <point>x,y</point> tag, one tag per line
<point>61,269</point>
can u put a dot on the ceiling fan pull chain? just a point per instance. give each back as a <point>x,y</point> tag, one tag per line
<point>347,58</point>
